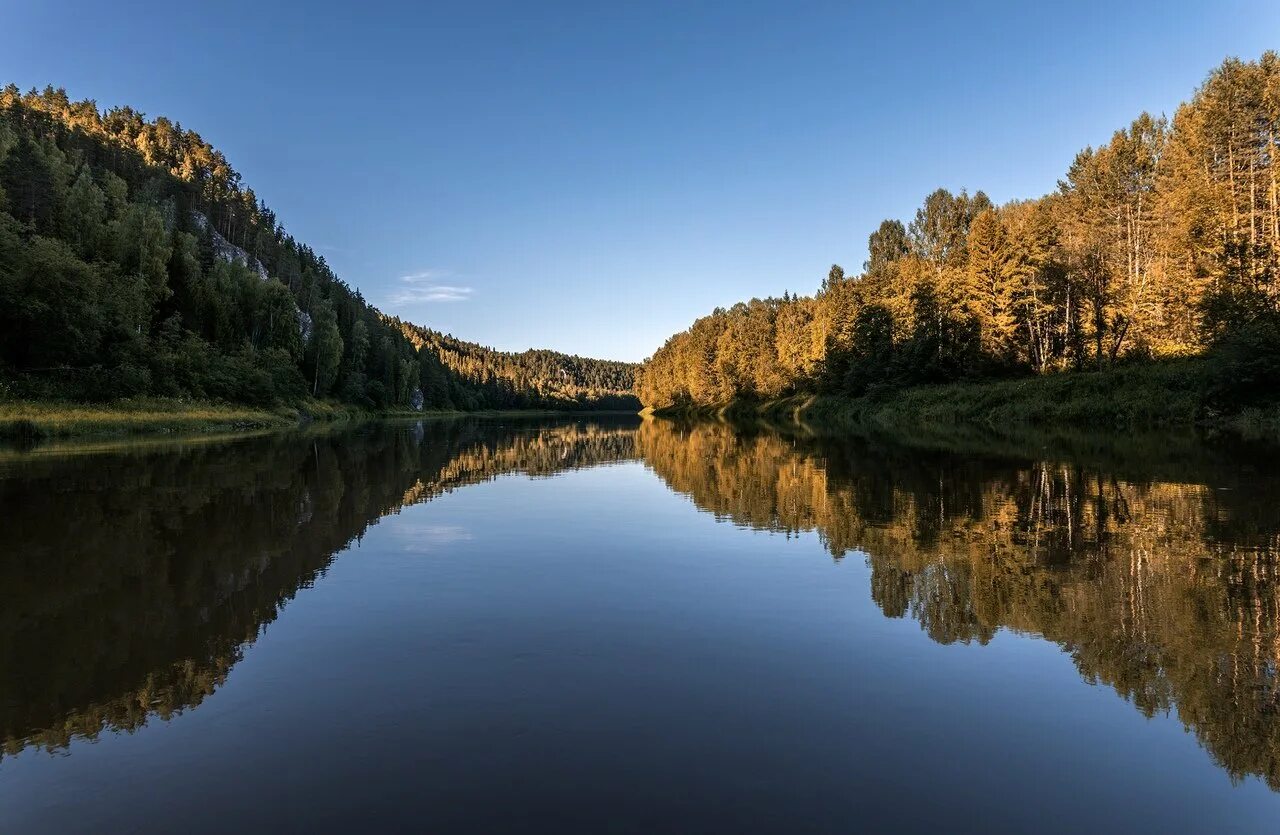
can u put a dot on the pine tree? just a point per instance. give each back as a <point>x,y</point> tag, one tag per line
<point>990,285</point>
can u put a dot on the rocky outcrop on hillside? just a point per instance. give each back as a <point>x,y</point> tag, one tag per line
<point>228,251</point>
<point>233,254</point>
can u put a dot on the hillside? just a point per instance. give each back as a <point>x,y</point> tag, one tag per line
<point>528,379</point>
<point>135,262</point>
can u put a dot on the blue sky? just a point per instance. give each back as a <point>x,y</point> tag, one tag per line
<point>591,177</point>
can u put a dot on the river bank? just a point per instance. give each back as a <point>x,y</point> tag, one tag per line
<point>1141,397</point>
<point>34,420</point>
<point>29,421</point>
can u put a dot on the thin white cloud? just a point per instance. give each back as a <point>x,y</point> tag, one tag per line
<point>425,275</point>
<point>425,286</point>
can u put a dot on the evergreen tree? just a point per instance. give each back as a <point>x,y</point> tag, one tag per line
<point>326,348</point>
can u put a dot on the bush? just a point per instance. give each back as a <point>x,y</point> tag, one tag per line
<point>1245,371</point>
<point>21,432</point>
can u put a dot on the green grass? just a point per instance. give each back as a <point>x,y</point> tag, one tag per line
<point>1255,424</point>
<point>26,420</point>
<point>1155,395</point>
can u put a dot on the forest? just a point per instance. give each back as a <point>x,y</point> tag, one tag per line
<point>1160,244</point>
<point>135,262</point>
<point>531,379</point>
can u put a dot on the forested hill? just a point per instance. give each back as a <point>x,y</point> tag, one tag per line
<point>1162,242</point>
<point>134,261</point>
<point>528,379</point>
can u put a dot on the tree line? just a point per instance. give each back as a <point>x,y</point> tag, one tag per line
<point>533,379</point>
<point>134,261</point>
<point>1162,242</point>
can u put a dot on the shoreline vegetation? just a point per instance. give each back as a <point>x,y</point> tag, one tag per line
<point>1171,396</point>
<point>26,422</point>
<point>1152,397</point>
<point>29,421</point>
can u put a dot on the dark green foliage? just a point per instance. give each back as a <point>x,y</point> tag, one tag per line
<point>870,361</point>
<point>134,261</point>
<point>1247,367</point>
<point>29,183</point>
<point>1243,318</point>
<point>52,304</point>
<point>886,245</point>
<point>21,433</point>
<point>534,379</point>
<point>326,349</point>
<point>941,347</point>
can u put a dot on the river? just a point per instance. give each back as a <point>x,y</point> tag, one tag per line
<point>616,624</point>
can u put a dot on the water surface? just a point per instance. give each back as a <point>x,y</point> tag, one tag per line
<point>615,625</point>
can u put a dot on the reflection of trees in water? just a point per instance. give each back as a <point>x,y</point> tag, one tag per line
<point>1163,590</point>
<point>133,581</point>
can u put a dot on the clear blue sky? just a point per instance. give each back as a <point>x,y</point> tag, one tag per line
<point>592,176</point>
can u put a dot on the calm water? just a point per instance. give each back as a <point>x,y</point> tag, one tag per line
<point>616,625</point>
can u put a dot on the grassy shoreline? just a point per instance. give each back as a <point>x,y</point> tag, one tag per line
<point>1164,396</point>
<point>26,421</point>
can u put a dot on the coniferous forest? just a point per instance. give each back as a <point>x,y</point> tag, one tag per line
<point>536,378</point>
<point>134,262</point>
<point>1162,243</point>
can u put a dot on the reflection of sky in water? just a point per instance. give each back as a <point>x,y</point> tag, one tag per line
<point>419,537</point>
<point>599,647</point>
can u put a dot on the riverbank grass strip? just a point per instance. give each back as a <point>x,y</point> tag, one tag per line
<point>32,420</point>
